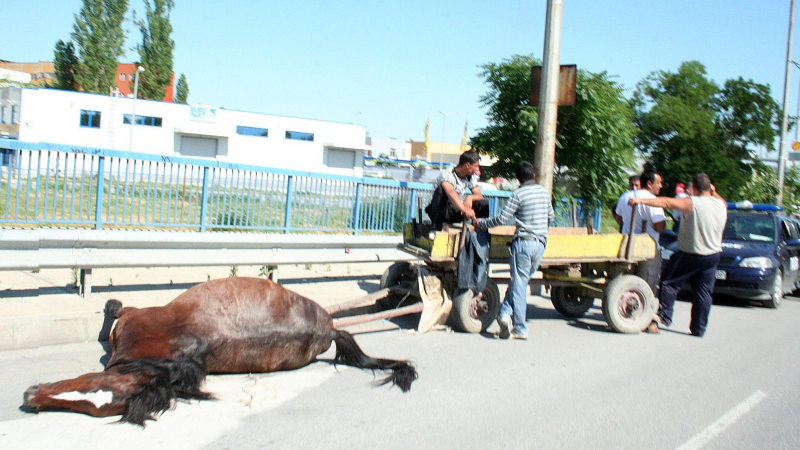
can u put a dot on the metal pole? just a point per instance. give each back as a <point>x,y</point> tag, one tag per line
<point>797,124</point>
<point>98,210</point>
<point>444,125</point>
<point>204,201</point>
<point>136,74</point>
<point>441,149</point>
<point>785,120</point>
<point>545,156</point>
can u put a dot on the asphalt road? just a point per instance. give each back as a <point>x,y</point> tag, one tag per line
<point>573,385</point>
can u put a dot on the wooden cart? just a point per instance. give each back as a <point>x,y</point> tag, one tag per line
<point>577,268</point>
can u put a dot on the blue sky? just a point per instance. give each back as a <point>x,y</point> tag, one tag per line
<point>389,65</point>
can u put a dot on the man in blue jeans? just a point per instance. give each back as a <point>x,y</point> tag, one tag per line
<point>532,210</point>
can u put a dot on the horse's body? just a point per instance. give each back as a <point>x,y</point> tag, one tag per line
<point>233,325</point>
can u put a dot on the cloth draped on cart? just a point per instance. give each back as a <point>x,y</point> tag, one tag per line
<point>473,261</point>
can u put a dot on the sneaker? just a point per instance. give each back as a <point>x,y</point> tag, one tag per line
<point>505,327</point>
<point>652,328</point>
<point>520,336</point>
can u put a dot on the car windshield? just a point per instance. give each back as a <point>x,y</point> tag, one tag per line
<point>749,227</point>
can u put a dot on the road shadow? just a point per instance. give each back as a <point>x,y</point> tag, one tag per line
<point>69,289</point>
<point>37,292</point>
<point>319,278</point>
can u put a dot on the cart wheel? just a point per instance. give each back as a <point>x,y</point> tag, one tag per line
<point>567,301</point>
<point>476,316</point>
<point>400,274</point>
<point>629,304</point>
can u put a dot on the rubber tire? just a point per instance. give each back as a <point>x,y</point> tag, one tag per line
<point>400,273</point>
<point>567,303</point>
<point>776,293</point>
<point>462,315</point>
<point>629,286</point>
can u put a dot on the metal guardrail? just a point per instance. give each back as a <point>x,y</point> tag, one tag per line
<point>88,249</point>
<point>54,185</point>
<point>44,184</point>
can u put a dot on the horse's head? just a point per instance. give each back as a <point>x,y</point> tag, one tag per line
<point>136,389</point>
<point>96,394</point>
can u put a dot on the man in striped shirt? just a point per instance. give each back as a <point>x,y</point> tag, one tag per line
<point>532,210</point>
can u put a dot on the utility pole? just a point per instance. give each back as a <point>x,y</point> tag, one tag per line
<point>545,156</point>
<point>785,121</point>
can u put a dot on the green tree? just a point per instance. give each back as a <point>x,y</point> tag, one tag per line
<point>100,39</point>
<point>594,140</point>
<point>66,64</point>
<point>182,90</point>
<point>155,51</point>
<point>687,123</point>
<point>791,190</point>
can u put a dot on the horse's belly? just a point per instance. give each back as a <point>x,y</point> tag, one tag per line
<point>264,354</point>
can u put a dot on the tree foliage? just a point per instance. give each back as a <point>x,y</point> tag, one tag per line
<point>594,142</point>
<point>182,90</point>
<point>100,39</point>
<point>688,124</point>
<point>66,65</point>
<point>155,51</point>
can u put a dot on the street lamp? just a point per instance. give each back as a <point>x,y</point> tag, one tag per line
<point>139,70</point>
<point>444,123</point>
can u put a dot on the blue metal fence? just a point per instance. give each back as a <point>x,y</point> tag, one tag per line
<point>45,184</point>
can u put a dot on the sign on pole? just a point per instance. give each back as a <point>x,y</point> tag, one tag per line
<point>567,80</point>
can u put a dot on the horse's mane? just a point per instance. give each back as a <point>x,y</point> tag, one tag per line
<point>180,378</point>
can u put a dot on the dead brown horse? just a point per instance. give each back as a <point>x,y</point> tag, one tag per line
<point>233,325</point>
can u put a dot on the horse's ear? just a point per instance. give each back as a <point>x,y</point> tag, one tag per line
<point>112,308</point>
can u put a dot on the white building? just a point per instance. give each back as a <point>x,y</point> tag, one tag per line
<point>389,147</point>
<point>79,119</point>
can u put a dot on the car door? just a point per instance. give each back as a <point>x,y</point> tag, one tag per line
<point>789,247</point>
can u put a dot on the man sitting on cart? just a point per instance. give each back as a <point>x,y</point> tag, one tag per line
<point>456,195</point>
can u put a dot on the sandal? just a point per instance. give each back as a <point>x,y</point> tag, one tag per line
<point>652,328</point>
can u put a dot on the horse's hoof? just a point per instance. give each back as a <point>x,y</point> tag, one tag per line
<point>27,399</point>
<point>112,308</point>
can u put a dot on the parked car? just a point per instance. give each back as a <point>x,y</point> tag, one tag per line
<point>760,258</point>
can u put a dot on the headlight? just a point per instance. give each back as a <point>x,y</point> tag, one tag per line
<point>757,262</point>
<point>666,253</point>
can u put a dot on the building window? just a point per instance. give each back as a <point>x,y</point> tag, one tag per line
<point>252,131</point>
<point>90,119</point>
<point>122,77</point>
<point>300,136</point>
<point>142,120</point>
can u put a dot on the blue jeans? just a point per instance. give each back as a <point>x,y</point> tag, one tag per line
<point>526,255</point>
<point>698,271</point>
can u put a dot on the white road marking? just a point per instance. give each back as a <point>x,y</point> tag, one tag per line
<point>98,398</point>
<point>724,422</point>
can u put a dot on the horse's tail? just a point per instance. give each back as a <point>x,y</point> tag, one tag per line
<point>349,353</point>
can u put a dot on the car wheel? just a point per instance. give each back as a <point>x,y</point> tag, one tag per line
<point>776,294</point>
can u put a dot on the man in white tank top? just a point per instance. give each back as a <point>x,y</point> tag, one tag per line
<point>699,247</point>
